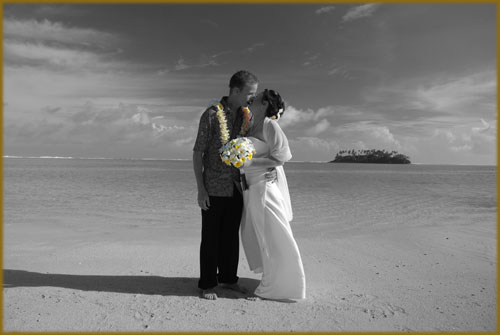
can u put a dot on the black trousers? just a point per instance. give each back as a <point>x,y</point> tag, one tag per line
<point>220,241</point>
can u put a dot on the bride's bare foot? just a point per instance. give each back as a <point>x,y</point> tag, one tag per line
<point>235,287</point>
<point>209,294</point>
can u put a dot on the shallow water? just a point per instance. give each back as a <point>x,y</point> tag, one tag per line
<point>325,196</point>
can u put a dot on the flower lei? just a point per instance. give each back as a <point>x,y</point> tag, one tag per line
<point>224,132</point>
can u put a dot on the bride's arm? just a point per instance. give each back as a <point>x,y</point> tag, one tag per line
<point>280,151</point>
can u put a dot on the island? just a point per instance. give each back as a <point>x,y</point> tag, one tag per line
<point>370,156</point>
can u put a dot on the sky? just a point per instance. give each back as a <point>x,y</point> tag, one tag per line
<point>131,81</point>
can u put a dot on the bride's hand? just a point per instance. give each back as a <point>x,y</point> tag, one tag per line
<point>247,163</point>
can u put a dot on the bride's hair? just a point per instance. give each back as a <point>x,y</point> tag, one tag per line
<point>276,106</point>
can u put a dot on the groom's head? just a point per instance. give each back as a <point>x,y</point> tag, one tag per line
<point>242,88</point>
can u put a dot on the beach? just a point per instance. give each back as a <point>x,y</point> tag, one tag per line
<point>113,246</point>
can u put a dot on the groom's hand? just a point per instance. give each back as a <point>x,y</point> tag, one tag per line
<point>271,175</point>
<point>203,199</point>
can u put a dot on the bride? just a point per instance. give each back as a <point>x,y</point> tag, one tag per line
<point>265,229</point>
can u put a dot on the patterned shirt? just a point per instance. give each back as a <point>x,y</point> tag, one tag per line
<point>218,177</point>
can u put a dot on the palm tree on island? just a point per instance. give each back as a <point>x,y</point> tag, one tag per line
<point>370,156</point>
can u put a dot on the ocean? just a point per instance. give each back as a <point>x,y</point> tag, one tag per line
<point>161,194</point>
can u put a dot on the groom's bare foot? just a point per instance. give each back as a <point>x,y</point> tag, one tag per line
<point>235,287</point>
<point>253,297</point>
<point>209,294</point>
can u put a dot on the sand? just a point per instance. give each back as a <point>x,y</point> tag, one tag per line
<point>425,278</point>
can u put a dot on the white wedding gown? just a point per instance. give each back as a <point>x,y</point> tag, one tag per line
<point>265,229</point>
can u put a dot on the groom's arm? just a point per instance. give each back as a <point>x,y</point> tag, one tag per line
<point>263,162</point>
<point>203,199</point>
<point>269,163</point>
<point>200,147</point>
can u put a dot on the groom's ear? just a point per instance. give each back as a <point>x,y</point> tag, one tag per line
<point>234,90</point>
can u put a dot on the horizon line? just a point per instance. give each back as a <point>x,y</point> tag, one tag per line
<point>186,159</point>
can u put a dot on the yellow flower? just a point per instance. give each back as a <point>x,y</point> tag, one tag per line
<point>250,156</point>
<point>243,159</point>
<point>238,164</point>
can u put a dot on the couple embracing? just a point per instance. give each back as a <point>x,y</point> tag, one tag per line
<point>257,201</point>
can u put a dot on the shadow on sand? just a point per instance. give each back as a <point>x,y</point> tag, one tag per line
<point>150,285</point>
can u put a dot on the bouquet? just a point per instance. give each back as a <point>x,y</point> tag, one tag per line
<point>237,151</point>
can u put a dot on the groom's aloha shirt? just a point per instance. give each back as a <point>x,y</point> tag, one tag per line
<point>219,178</point>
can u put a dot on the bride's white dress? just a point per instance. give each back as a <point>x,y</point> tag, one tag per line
<point>265,229</point>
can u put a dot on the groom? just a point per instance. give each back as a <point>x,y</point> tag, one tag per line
<point>219,190</point>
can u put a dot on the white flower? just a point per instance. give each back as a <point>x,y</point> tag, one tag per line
<point>237,151</point>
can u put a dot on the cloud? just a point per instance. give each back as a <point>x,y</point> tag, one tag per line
<point>226,52</point>
<point>318,128</point>
<point>162,72</point>
<point>203,62</point>
<point>43,55</point>
<point>55,46</point>
<point>450,137</point>
<point>385,135</point>
<point>459,95</point>
<point>181,65</point>
<point>312,59</point>
<point>51,110</point>
<point>210,23</point>
<point>125,128</point>
<point>327,111</point>
<point>46,31</point>
<point>379,136</point>
<point>189,141</point>
<point>433,99</point>
<point>60,10</point>
<point>313,149</point>
<point>359,12</point>
<point>465,139</point>
<point>105,83</point>
<point>294,116</point>
<point>465,147</point>
<point>255,46</point>
<point>340,70</point>
<point>324,10</point>
<point>299,119</point>
<point>486,126</point>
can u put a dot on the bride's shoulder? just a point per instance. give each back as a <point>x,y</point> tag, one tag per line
<point>272,126</point>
